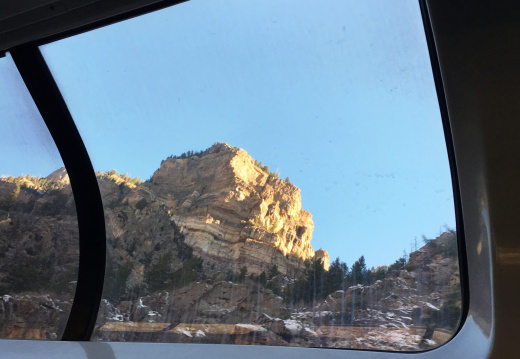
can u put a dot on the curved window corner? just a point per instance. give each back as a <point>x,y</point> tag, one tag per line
<point>39,249</point>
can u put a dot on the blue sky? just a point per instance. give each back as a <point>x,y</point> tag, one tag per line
<point>336,95</point>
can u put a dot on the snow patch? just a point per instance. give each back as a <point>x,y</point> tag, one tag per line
<point>141,305</point>
<point>268,317</point>
<point>293,326</point>
<point>252,327</point>
<point>431,306</point>
<point>116,317</point>
<point>152,313</point>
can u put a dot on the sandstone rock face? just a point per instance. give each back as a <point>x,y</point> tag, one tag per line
<point>232,213</point>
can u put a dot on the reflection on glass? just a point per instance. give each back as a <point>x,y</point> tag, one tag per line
<point>207,244</point>
<point>38,224</point>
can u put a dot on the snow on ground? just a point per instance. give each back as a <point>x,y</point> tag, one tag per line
<point>267,316</point>
<point>116,317</point>
<point>141,305</point>
<point>311,332</point>
<point>252,327</point>
<point>430,306</point>
<point>293,326</point>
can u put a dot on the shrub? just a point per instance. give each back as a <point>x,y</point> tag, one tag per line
<point>397,265</point>
<point>115,285</point>
<point>273,272</point>
<point>159,274</point>
<point>10,201</point>
<point>31,275</point>
<point>242,275</point>
<point>191,271</point>
<point>275,285</point>
<point>141,204</point>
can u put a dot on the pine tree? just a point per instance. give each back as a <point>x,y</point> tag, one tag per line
<point>358,271</point>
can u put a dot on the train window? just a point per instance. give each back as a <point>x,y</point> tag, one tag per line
<point>38,223</point>
<point>227,135</point>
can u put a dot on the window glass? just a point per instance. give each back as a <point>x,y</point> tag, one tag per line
<point>228,134</point>
<point>38,223</point>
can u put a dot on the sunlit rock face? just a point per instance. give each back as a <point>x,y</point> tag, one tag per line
<point>233,213</point>
<point>59,176</point>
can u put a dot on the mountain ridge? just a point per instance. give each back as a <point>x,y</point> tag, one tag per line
<point>197,252</point>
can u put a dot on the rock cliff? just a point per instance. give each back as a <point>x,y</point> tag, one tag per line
<point>233,213</point>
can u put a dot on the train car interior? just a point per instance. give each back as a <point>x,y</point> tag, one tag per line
<point>56,70</point>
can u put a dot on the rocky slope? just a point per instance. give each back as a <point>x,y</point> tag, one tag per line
<point>414,307</point>
<point>217,206</point>
<point>38,257</point>
<point>211,249</point>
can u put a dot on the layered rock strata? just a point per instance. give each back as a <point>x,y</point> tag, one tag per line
<point>233,213</point>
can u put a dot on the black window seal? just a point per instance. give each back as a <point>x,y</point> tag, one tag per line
<point>101,23</point>
<point>443,108</point>
<point>89,207</point>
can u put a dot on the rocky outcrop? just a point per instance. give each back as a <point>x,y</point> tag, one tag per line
<point>233,213</point>
<point>59,176</point>
<point>207,303</point>
<point>395,313</point>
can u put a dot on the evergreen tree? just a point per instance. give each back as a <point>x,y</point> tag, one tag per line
<point>273,271</point>
<point>358,271</point>
<point>243,274</point>
<point>159,275</point>
<point>335,277</point>
<point>12,198</point>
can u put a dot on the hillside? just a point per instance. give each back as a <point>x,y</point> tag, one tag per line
<point>414,307</point>
<point>213,248</point>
